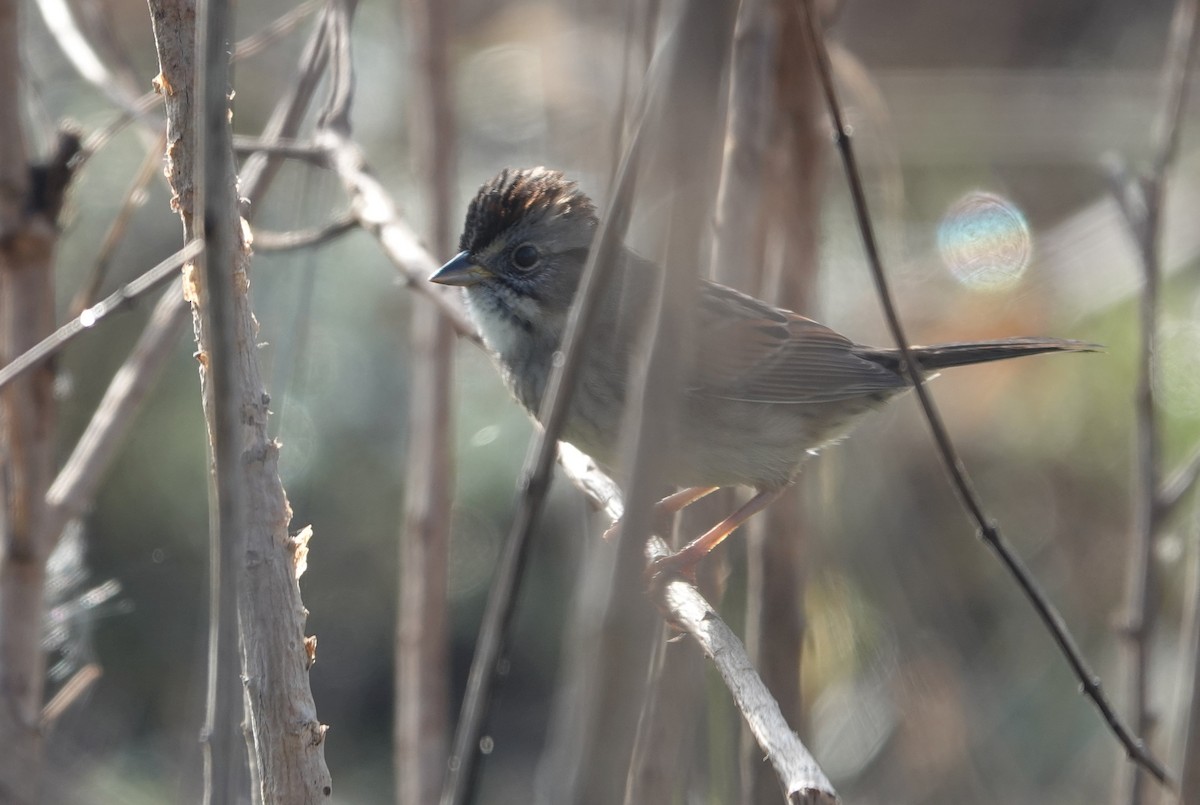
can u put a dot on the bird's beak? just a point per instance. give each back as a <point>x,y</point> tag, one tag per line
<point>462,270</point>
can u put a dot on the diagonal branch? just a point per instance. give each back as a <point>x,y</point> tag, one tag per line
<point>151,165</point>
<point>119,300</point>
<point>798,772</point>
<point>989,532</point>
<point>377,214</point>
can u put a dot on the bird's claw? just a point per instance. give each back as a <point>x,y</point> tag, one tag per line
<point>664,569</point>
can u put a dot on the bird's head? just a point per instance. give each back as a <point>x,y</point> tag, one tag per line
<point>523,246</point>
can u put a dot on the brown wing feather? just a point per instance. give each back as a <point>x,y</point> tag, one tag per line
<point>748,350</point>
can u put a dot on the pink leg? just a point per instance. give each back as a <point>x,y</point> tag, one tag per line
<point>670,505</point>
<point>683,562</point>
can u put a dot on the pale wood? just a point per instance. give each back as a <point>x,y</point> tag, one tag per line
<point>286,738</point>
<point>686,610</point>
<point>421,723</point>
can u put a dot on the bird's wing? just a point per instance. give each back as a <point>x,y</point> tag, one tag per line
<point>748,350</point>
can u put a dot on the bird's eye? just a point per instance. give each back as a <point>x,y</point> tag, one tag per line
<point>526,256</point>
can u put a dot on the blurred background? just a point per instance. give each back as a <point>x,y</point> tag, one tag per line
<point>926,677</point>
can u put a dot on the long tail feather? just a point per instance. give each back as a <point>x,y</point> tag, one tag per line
<point>942,356</point>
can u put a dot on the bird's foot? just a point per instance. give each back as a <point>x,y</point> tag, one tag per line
<point>664,569</point>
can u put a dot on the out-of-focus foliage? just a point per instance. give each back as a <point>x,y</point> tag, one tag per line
<point>929,679</point>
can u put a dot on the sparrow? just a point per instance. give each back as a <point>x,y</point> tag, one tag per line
<point>764,389</point>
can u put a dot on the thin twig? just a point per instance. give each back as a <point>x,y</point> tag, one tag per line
<point>79,683</point>
<point>422,655</point>
<point>1189,687</point>
<point>243,145</point>
<point>988,531</point>
<point>275,30</point>
<point>119,300</point>
<point>79,51</point>
<point>1142,204</point>
<point>218,341</point>
<point>75,486</point>
<point>137,109</point>
<point>682,129</point>
<point>151,165</point>
<point>1141,200</point>
<point>267,241</point>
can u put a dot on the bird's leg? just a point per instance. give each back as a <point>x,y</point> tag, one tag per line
<point>669,506</point>
<point>683,562</point>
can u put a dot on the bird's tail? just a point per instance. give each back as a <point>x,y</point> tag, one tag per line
<point>943,356</point>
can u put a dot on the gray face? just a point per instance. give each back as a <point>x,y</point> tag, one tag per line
<point>524,242</point>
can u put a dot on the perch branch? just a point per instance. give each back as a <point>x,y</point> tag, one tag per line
<point>801,777</point>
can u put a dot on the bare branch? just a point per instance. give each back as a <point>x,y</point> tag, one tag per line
<point>422,655</point>
<point>30,200</point>
<point>119,300</point>
<point>377,214</point>
<point>1142,203</point>
<point>150,167</point>
<point>275,30</point>
<point>73,490</point>
<point>1189,687</point>
<point>75,487</point>
<point>287,739</point>
<point>1141,200</point>
<point>279,147</point>
<point>684,607</point>
<point>988,531</point>
<point>267,242</point>
<point>217,337</point>
<point>79,683</point>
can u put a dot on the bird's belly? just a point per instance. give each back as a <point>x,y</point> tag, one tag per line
<point>764,445</point>
<point>719,442</point>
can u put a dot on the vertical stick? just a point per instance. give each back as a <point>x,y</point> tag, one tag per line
<point>28,413</point>
<point>1145,220</point>
<point>286,739</point>
<point>421,663</point>
<point>778,547</point>
<point>224,761</point>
